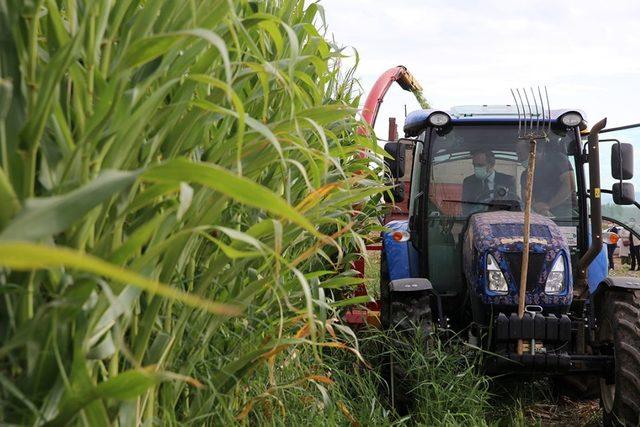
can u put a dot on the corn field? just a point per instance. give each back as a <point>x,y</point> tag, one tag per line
<point>181,197</point>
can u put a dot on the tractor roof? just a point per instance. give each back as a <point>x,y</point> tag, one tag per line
<point>416,121</point>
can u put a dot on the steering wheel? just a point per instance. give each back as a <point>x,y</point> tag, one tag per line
<point>498,194</point>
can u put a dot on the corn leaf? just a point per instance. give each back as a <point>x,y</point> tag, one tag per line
<point>236,187</point>
<point>47,216</point>
<point>30,256</point>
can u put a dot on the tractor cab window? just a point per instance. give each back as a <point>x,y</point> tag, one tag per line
<point>478,168</point>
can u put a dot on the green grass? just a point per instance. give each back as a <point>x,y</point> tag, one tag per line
<point>346,391</point>
<point>372,273</point>
<point>448,390</point>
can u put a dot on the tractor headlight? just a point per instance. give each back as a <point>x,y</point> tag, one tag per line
<point>571,119</point>
<point>439,119</point>
<point>555,282</point>
<point>497,282</point>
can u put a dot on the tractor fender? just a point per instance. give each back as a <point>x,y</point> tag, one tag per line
<point>598,298</point>
<point>612,283</point>
<point>397,253</point>
<point>630,283</point>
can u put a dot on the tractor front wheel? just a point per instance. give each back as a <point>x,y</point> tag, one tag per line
<point>409,327</point>
<point>402,314</point>
<point>411,312</point>
<point>619,328</point>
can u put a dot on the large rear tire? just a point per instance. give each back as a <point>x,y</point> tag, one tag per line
<point>619,327</point>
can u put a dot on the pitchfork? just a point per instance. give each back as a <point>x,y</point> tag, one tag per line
<point>527,131</point>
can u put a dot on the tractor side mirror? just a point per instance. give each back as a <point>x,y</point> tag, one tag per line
<point>623,193</point>
<point>622,161</point>
<point>397,193</point>
<point>398,151</point>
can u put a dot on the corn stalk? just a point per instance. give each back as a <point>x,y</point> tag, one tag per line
<point>177,190</point>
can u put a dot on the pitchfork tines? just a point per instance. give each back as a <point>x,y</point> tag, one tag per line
<point>533,123</point>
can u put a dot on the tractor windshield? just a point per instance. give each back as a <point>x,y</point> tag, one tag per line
<point>481,168</point>
<point>477,168</point>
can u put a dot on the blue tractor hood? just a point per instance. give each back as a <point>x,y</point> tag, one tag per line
<point>500,234</point>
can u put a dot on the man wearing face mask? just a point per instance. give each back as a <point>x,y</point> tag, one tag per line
<point>485,184</point>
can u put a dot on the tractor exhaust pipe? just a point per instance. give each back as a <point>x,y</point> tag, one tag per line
<point>594,195</point>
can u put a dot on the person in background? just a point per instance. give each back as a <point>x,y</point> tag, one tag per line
<point>624,248</point>
<point>611,247</point>
<point>634,247</point>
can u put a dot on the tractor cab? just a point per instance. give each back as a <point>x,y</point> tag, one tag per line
<point>466,200</point>
<point>476,164</point>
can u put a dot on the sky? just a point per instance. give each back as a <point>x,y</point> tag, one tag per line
<point>586,52</point>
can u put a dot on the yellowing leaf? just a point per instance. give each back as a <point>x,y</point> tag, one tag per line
<point>320,379</point>
<point>345,411</point>
<point>246,410</point>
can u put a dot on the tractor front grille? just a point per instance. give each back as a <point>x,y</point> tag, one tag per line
<point>536,262</point>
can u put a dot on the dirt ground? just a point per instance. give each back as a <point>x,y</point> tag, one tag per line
<point>566,412</point>
<point>622,268</point>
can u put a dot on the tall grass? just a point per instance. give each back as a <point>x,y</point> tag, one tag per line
<point>177,192</point>
<point>445,386</point>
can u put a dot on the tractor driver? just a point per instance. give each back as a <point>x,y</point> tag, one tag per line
<point>553,183</point>
<point>485,184</point>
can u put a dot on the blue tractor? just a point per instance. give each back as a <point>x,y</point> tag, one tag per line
<point>456,263</point>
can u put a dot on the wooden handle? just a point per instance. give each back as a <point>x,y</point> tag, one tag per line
<point>526,231</point>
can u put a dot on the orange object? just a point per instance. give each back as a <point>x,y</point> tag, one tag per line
<point>373,319</point>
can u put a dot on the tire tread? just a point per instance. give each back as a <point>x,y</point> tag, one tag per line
<point>622,312</point>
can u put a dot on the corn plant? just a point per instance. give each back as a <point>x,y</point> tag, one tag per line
<point>181,193</point>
